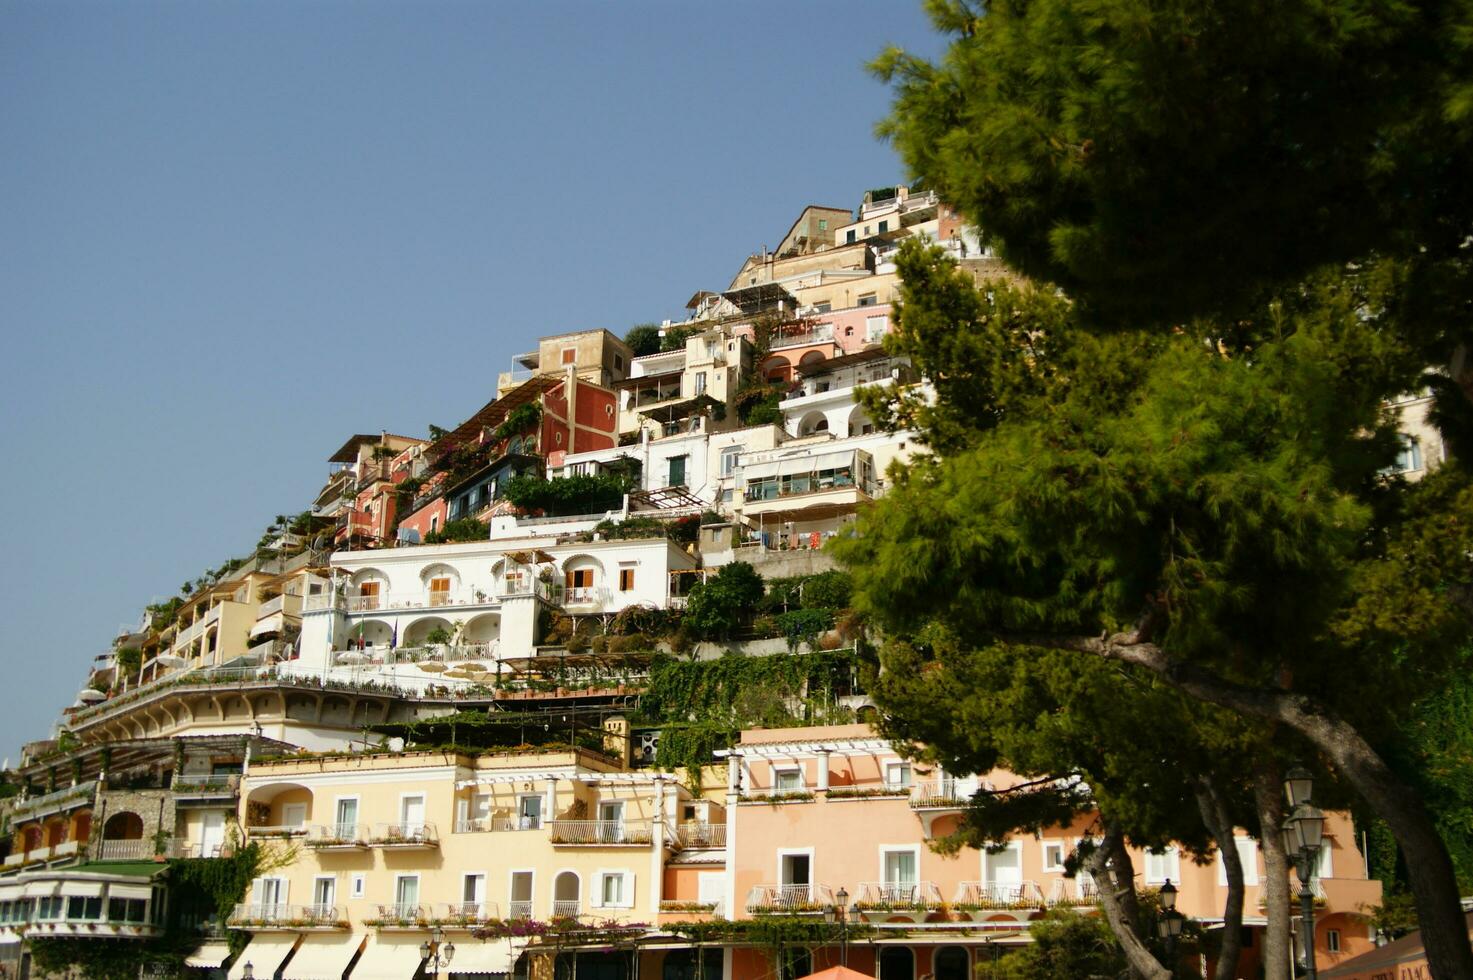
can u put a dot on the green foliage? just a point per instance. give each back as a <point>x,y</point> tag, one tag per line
<point>804,625</point>
<point>519,420</point>
<point>567,496</point>
<point>460,529</point>
<point>643,339</point>
<point>676,337</point>
<point>1066,946</point>
<point>1256,142</point>
<point>757,402</point>
<point>684,530</point>
<point>828,590</point>
<point>717,606</point>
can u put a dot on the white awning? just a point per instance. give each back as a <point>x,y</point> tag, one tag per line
<point>118,890</point>
<point>210,956</point>
<point>322,957</point>
<point>82,889</point>
<point>492,956</point>
<point>804,463</point>
<point>42,889</point>
<point>389,958</point>
<point>273,623</point>
<point>11,892</point>
<point>264,955</point>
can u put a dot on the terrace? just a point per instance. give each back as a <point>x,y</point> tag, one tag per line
<point>789,899</point>
<point>288,918</point>
<point>602,833</point>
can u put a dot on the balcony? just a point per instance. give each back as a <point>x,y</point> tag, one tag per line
<point>466,915</point>
<point>821,334</point>
<point>695,836</point>
<point>391,656</point>
<point>469,596</point>
<point>519,910</point>
<point>56,801</point>
<point>275,831</point>
<point>942,794</point>
<point>125,850</point>
<point>405,836</point>
<point>65,849</point>
<point>1081,891</point>
<point>898,896</point>
<point>789,899</point>
<point>976,895</point>
<point>566,908</point>
<point>400,916</point>
<point>214,787</point>
<point>585,595</point>
<point>283,918</point>
<point>601,833</point>
<point>488,825</point>
<point>337,837</point>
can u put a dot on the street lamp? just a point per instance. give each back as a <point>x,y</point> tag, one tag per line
<point>1304,834</point>
<point>1171,922</point>
<point>437,956</point>
<point>248,972</point>
<point>839,912</point>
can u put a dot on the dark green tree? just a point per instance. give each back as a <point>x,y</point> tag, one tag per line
<point>1066,946</point>
<point>643,339</point>
<point>1204,505</point>
<point>717,606</point>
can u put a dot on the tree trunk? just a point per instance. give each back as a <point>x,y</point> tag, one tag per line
<point>1109,865</point>
<point>1219,824</point>
<point>1269,801</point>
<point>1434,885</point>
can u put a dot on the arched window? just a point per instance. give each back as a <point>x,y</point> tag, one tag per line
<point>123,825</point>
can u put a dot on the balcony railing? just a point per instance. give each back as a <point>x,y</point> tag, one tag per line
<point>470,596</point>
<point>566,908</point>
<point>585,595</point>
<point>327,836</point>
<point>698,835</point>
<point>823,333</point>
<point>278,830</point>
<point>595,832</point>
<point>283,916</point>
<point>942,794</point>
<point>1081,891</point>
<point>463,913</point>
<point>400,916</point>
<point>519,910</point>
<point>125,850</point>
<point>898,895</point>
<point>772,899</point>
<point>36,806</point>
<point>998,895</point>
<point>214,784</point>
<point>405,835</point>
<point>485,825</point>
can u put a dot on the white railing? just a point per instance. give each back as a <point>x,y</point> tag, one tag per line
<point>468,596</point>
<point>33,806</point>
<point>484,825</point>
<point>270,606</point>
<point>406,834</point>
<point>899,895</point>
<point>289,916</point>
<point>601,831</point>
<point>464,912</point>
<point>519,910</point>
<point>945,793</point>
<point>1002,895</point>
<point>278,830</point>
<point>822,333</point>
<point>125,850</point>
<point>566,908</point>
<point>207,784</point>
<point>789,898</point>
<point>701,835</point>
<point>337,835</point>
<point>401,914</point>
<point>1081,891</point>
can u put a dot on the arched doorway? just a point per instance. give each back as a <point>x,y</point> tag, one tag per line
<point>566,900</point>
<point>684,964</point>
<point>951,963</point>
<point>55,833</point>
<point>897,963</point>
<point>124,825</point>
<point>30,838</point>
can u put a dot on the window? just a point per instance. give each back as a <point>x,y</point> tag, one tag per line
<point>618,362</point>
<point>868,299</point>
<point>434,526</point>
<point>368,595</point>
<point>570,355</point>
<point>1409,458</point>
<point>521,894</point>
<point>1161,865</point>
<point>473,889</point>
<point>347,818</point>
<point>897,774</point>
<point>677,471</point>
<point>294,814</point>
<point>823,224</point>
<point>1053,855</point>
<point>884,227</point>
<point>406,894</point>
<point>359,886</point>
<point>823,307</point>
<point>1332,940</point>
<point>84,908</point>
<point>1247,856</point>
<point>900,866</point>
<point>616,889</point>
<point>579,578</point>
<point>866,231</point>
<point>729,459</point>
<point>440,586</point>
<point>529,812</point>
<point>324,891</point>
<point>849,237</point>
<point>700,382</point>
<point>626,580</point>
<point>875,328</point>
<point>787,780</point>
<point>412,814</point>
<point>796,868</point>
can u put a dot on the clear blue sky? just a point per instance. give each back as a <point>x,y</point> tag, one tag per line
<point>232,234</point>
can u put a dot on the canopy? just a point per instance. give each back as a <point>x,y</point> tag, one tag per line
<point>322,957</point>
<point>837,973</point>
<point>390,958</point>
<point>273,623</point>
<point>82,889</point>
<point>129,891</point>
<point>11,892</point>
<point>210,956</point>
<point>263,955</point>
<point>494,956</point>
<point>41,889</point>
<point>800,464</point>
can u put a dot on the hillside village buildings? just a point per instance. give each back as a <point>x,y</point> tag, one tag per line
<point>323,698</point>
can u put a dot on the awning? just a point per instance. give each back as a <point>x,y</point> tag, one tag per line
<point>263,955</point>
<point>82,889</point>
<point>806,463</point>
<point>322,957</point>
<point>42,889</point>
<point>11,892</point>
<point>494,956</point>
<point>116,890</point>
<point>209,956</point>
<point>273,623</point>
<point>389,958</point>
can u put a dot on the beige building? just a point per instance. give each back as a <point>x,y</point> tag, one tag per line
<point>597,356</point>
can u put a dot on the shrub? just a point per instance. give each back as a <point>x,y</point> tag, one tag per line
<point>567,495</point>
<point>716,607</point>
<point>461,529</point>
<point>827,590</point>
<point>643,339</point>
<point>804,625</point>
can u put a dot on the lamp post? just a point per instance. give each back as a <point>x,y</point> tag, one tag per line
<point>839,912</point>
<point>437,955</point>
<point>1303,836</point>
<point>1170,925</point>
<point>248,972</point>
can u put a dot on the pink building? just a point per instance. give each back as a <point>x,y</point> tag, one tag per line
<point>812,812</point>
